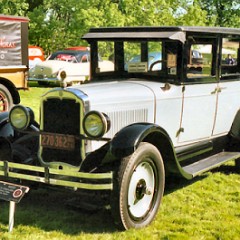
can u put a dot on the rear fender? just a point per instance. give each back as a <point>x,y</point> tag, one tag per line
<point>235,129</point>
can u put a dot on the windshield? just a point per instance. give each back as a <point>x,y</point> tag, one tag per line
<point>138,59</point>
<point>71,56</point>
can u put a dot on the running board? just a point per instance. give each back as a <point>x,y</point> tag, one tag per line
<point>206,164</point>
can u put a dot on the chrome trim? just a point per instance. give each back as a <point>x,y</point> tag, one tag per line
<point>83,100</point>
<point>76,180</point>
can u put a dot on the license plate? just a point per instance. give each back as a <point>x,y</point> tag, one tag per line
<point>58,141</point>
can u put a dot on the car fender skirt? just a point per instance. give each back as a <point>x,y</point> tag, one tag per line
<point>127,139</point>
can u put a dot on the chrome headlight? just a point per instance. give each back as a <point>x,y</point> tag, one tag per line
<point>96,124</point>
<point>21,117</point>
<point>63,74</point>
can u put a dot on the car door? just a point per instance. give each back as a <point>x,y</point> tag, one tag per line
<point>229,86</point>
<point>199,96</point>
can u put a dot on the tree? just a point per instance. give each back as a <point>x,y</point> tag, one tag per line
<point>14,7</point>
<point>191,15</point>
<point>223,13</point>
<point>58,24</point>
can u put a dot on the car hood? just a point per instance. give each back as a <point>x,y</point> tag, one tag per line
<point>111,93</point>
<point>125,98</point>
<point>130,101</point>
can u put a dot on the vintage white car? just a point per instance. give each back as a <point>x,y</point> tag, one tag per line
<point>117,138</point>
<point>67,67</point>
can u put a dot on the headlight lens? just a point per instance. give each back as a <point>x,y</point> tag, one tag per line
<point>21,117</point>
<point>96,124</point>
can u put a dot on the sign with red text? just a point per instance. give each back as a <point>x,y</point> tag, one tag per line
<point>13,41</point>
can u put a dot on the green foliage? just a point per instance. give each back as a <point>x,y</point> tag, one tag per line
<point>13,7</point>
<point>187,19</point>
<point>223,13</point>
<point>59,24</point>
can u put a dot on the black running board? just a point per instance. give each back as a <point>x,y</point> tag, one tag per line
<point>209,163</point>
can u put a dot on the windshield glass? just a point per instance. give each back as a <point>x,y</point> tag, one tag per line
<point>71,56</point>
<point>138,59</point>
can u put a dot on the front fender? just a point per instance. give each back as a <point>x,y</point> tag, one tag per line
<point>127,139</point>
<point>6,129</point>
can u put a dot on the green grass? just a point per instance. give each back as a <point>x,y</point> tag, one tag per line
<point>207,207</point>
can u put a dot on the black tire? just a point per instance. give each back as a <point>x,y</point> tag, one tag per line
<point>6,99</point>
<point>237,165</point>
<point>138,188</point>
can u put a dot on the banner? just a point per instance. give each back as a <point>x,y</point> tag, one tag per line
<point>12,43</point>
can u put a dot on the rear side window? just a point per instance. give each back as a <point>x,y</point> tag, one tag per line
<point>200,61</point>
<point>230,57</point>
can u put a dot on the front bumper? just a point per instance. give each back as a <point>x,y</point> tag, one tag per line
<point>46,175</point>
<point>42,79</point>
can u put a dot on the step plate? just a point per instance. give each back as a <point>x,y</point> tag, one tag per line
<point>211,162</point>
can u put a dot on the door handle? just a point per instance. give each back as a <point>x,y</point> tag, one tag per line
<point>218,90</point>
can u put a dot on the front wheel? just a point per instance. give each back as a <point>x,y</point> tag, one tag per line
<point>138,188</point>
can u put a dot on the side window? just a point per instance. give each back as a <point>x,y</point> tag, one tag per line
<point>142,57</point>
<point>200,57</point>
<point>105,57</point>
<point>230,57</point>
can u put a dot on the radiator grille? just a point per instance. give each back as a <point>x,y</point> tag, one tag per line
<point>63,117</point>
<point>120,119</point>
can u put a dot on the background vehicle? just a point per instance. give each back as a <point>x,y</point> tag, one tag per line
<point>35,55</point>
<point>13,59</point>
<point>120,135</point>
<point>71,65</point>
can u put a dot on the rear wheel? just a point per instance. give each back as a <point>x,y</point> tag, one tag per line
<point>237,164</point>
<point>138,188</point>
<point>6,99</point>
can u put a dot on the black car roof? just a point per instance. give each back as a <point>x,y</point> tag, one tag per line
<point>172,32</point>
<point>168,28</point>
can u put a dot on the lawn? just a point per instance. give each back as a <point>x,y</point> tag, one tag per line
<point>207,207</point>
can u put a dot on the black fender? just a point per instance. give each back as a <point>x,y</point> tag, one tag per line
<point>127,140</point>
<point>235,129</point>
<point>12,89</point>
<point>23,146</point>
<point>6,129</point>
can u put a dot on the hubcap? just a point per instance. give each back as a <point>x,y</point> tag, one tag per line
<point>141,190</point>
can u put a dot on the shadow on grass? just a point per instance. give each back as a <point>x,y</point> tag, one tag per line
<point>174,183</point>
<point>46,209</point>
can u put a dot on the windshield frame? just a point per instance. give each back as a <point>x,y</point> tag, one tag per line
<point>120,73</point>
